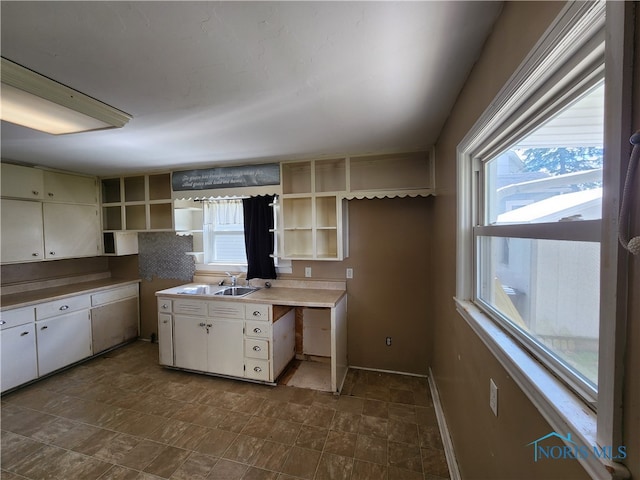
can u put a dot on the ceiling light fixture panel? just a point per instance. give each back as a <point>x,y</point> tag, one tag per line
<point>38,102</point>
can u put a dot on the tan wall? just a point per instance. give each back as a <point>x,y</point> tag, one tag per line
<point>388,251</point>
<point>487,447</point>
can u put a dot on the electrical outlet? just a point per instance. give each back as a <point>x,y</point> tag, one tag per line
<point>307,272</point>
<point>349,272</point>
<point>493,397</point>
<point>388,341</point>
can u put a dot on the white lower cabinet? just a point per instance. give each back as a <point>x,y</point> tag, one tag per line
<point>225,348</point>
<point>19,363</point>
<point>63,340</point>
<point>41,338</point>
<point>165,339</point>
<point>225,337</point>
<point>114,317</point>
<point>190,342</point>
<point>206,344</point>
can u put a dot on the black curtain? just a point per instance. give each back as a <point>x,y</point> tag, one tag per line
<point>258,239</point>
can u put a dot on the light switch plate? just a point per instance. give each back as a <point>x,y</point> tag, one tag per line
<point>349,272</point>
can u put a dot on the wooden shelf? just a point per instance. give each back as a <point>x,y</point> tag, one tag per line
<point>137,203</point>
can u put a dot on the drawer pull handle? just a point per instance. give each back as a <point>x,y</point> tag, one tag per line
<point>256,348</point>
<point>257,369</point>
<point>256,313</point>
<point>64,307</point>
<point>257,330</point>
<point>24,333</point>
<point>3,322</point>
<point>44,328</point>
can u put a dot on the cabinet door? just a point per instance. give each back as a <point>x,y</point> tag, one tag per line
<point>165,338</point>
<point>63,340</point>
<point>226,354</point>
<point>190,342</point>
<point>18,355</point>
<point>113,324</point>
<point>21,182</point>
<point>21,230</point>
<point>63,187</point>
<point>71,230</point>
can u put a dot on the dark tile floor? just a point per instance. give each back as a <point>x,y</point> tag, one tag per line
<point>122,416</point>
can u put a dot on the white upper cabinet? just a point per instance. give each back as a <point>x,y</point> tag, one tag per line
<point>69,188</point>
<point>71,230</point>
<point>22,231</point>
<point>48,215</point>
<point>21,182</point>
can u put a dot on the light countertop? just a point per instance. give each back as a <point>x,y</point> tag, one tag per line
<point>26,298</point>
<point>291,296</point>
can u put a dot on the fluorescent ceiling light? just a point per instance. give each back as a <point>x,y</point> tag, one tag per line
<point>35,101</point>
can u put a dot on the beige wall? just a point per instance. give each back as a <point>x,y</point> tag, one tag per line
<point>487,447</point>
<point>490,447</point>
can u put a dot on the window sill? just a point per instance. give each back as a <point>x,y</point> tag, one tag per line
<point>564,411</point>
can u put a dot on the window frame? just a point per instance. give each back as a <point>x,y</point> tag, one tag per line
<point>579,27</point>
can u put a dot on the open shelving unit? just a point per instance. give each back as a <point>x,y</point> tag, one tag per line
<point>315,193</point>
<point>135,203</point>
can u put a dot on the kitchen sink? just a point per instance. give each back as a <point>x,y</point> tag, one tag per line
<point>236,291</point>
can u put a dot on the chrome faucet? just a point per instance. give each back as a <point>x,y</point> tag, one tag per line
<point>234,279</point>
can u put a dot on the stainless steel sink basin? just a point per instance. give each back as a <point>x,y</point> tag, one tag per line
<point>199,290</point>
<point>237,291</point>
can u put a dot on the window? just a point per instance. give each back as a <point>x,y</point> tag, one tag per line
<point>223,230</point>
<point>538,273</point>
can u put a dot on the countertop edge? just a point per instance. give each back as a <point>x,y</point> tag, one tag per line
<point>272,296</point>
<point>17,300</point>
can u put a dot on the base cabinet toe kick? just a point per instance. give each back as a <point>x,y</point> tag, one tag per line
<point>250,341</point>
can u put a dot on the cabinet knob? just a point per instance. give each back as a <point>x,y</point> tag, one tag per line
<point>256,348</point>
<point>202,324</point>
<point>256,313</point>
<point>257,369</point>
<point>165,321</point>
<point>165,306</point>
<point>24,333</point>
<point>52,253</point>
<point>3,322</point>
<point>257,330</point>
<point>35,192</point>
<point>64,307</point>
<point>44,328</point>
<point>34,254</point>
<point>50,194</point>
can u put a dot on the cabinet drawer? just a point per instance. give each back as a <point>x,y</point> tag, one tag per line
<point>190,307</point>
<point>15,317</point>
<point>254,348</point>
<point>165,305</point>
<point>257,312</point>
<point>257,329</point>
<point>226,310</point>
<point>114,295</point>
<point>257,369</point>
<point>58,307</point>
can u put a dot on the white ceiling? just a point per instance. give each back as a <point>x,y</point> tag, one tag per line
<point>214,83</point>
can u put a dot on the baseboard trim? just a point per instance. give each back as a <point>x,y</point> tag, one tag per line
<point>355,367</point>
<point>452,462</point>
